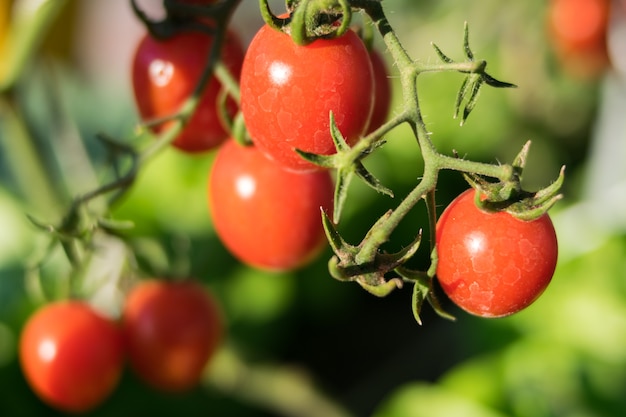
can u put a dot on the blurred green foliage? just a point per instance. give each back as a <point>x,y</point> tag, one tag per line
<point>564,356</point>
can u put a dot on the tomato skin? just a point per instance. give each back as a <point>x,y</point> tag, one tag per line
<point>288,92</point>
<point>492,264</point>
<point>165,74</point>
<point>71,356</point>
<point>266,216</point>
<point>382,95</point>
<point>172,330</point>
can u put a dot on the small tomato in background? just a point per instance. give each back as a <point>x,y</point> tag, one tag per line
<point>492,264</point>
<point>172,330</point>
<point>578,31</point>
<point>266,216</point>
<point>165,74</point>
<point>71,356</point>
<point>288,92</point>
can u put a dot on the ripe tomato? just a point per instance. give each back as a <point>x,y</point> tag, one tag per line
<point>288,92</point>
<point>492,264</point>
<point>266,216</point>
<point>172,330</point>
<point>164,75</point>
<point>578,30</point>
<point>382,94</point>
<point>71,356</point>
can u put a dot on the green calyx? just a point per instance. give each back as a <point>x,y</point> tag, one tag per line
<point>507,195</point>
<point>309,20</point>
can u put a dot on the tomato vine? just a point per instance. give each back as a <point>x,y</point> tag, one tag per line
<point>306,21</point>
<point>304,24</point>
<point>366,263</point>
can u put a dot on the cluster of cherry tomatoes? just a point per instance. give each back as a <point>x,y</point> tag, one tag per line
<point>73,356</point>
<point>264,198</point>
<point>265,202</point>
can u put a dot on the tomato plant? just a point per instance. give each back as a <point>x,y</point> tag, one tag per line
<point>266,216</point>
<point>382,91</point>
<point>71,356</point>
<point>288,91</point>
<point>578,30</point>
<point>264,198</point>
<point>492,264</point>
<point>172,329</point>
<point>165,74</point>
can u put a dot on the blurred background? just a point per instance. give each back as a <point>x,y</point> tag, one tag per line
<point>303,335</point>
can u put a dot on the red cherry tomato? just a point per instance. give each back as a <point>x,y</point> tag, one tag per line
<point>71,356</point>
<point>382,95</point>
<point>578,31</point>
<point>266,216</point>
<point>288,91</point>
<point>164,76</point>
<point>172,330</point>
<point>492,264</point>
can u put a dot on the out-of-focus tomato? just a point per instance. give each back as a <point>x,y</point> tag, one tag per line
<point>71,356</point>
<point>172,329</point>
<point>165,74</point>
<point>578,31</point>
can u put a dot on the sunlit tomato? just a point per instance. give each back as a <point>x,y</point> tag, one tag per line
<point>165,74</point>
<point>71,356</point>
<point>492,264</point>
<point>382,95</point>
<point>172,330</point>
<point>288,92</point>
<point>266,216</point>
<point>578,30</point>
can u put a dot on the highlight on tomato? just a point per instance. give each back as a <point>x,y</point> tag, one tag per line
<point>266,216</point>
<point>172,330</point>
<point>71,356</point>
<point>165,74</point>
<point>289,90</point>
<point>493,264</point>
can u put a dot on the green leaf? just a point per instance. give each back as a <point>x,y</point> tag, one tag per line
<point>422,399</point>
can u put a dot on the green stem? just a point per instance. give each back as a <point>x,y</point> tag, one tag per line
<point>280,389</point>
<point>226,79</point>
<point>463,67</point>
<point>22,155</point>
<point>433,160</point>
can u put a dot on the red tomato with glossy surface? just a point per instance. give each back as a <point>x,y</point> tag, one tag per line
<point>492,264</point>
<point>578,31</point>
<point>71,356</point>
<point>165,74</point>
<point>288,92</point>
<point>266,216</point>
<point>172,330</point>
<point>382,95</point>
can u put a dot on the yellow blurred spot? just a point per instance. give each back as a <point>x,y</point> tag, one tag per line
<point>5,11</point>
